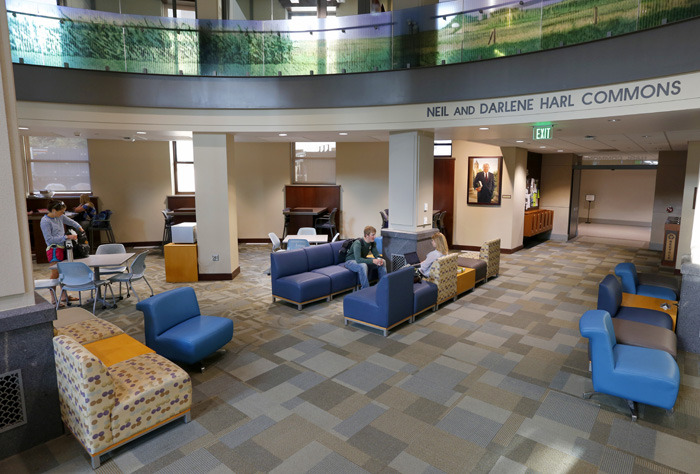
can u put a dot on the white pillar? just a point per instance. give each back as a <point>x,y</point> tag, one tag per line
<point>513,207</point>
<point>215,201</point>
<point>689,235</point>
<point>411,180</point>
<point>16,281</point>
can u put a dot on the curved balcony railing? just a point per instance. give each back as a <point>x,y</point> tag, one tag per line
<point>444,33</point>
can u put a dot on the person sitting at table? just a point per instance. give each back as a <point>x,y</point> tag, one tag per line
<point>53,227</point>
<point>440,245</point>
<point>357,261</point>
<point>86,210</point>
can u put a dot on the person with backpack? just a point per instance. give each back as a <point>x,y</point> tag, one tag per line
<point>356,258</point>
<point>53,227</point>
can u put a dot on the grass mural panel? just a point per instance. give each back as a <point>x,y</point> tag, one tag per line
<point>426,36</point>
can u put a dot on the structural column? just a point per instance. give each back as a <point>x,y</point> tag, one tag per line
<point>217,231</point>
<point>30,410</point>
<point>689,235</point>
<point>410,193</point>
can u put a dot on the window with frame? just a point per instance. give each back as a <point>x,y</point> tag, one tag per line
<point>182,157</point>
<point>314,163</point>
<point>185,9</point>
<point>57,164</point>
<point>442,148</point>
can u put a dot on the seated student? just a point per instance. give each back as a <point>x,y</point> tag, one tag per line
<point>440,245</point>
<point>357,261</point>
<point>86,210</point>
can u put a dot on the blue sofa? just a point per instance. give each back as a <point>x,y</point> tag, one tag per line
<point>610,300</point>
<point>647,284</point>
<point>384,305</point>
<point>311,274</point>
<point>177,330</point>
<point>635,326</point>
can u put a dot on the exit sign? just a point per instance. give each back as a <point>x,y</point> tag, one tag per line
<point>542,133</point>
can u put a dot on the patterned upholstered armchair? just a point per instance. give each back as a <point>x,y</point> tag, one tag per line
<point>106,406</point>
<point>443,272</point>
<point>490,253</point>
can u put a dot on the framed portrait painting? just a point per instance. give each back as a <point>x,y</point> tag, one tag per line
<point>484,180</point>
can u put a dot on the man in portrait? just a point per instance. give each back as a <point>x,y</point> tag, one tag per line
<point>484,184</point>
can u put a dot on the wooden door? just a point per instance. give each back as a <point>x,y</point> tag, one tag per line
<point>444,191</point>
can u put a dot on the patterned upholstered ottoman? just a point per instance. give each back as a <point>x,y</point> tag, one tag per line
<point>105,407</point>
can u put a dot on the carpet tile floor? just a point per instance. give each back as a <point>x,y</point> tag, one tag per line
<point>489,383</point>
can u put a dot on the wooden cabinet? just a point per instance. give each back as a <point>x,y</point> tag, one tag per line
<point>181,263</point>
<point>538,221</point>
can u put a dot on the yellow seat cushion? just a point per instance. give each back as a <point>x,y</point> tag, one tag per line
<point>117,349</point>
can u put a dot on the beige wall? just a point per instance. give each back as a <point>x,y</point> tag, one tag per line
<point>668,192</point>
<point>555,191</point>
<point>261,170</point>
<point>362,171</point>
<point>621,196</point>
<point>132,179</point>
<point>475,224</point>
<point>348,8</point>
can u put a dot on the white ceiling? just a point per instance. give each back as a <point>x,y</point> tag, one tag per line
<point>629,135</point>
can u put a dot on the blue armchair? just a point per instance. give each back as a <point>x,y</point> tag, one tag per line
<point>637,374</point>
<point>176,330</point>
<point>610,300</point>
<point>384,305</point>
<point>656,286</point>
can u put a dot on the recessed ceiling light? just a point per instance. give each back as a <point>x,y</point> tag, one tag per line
<point>343,133</point>
<point>483,128</point>
<point>646,136</point>
<point>23,128</point>
<point>614,120</point>
<point>542,146</point>
<point>519,141</point>
<point>140,133</point>
<point>282,134</point>
<point>560,151</point>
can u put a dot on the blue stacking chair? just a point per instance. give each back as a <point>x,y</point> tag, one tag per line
<point>76,276</point>
<point>137,271</point>
<point>293,244</point>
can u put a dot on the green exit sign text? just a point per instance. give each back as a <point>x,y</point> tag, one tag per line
<point>542,133</point>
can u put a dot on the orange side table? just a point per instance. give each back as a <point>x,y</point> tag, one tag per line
<point>465,279</point>
<point>117,349</point>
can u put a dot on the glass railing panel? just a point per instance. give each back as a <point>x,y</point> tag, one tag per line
<point>572,22</point>
<point>450,32</point>
<point>158,45</point>
<point>230,48</point>
<point>358,43</point>
<point>415,37</point>
<point>654,13</point>
<point>52,36</point>
<point>494,30</point>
